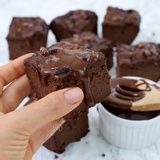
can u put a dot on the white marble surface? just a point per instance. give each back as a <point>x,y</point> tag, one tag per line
<point>93,145</point>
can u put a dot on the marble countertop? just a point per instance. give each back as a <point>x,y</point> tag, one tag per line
<point>92,146</point>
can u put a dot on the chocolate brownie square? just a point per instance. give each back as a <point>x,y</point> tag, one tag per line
<point>121,26</point>
<point>26,34</point>
<point>72,130</point>
<point>141,60</point>
<point>73,22</point>
<point>68,65</point>
<point>92,41</point>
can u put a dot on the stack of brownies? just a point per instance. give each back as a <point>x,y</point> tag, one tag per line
<point>81,58</point>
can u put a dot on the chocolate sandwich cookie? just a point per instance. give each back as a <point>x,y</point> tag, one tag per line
<point>133,99</point>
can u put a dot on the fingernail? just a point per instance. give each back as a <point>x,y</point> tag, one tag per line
<point>73,95</point>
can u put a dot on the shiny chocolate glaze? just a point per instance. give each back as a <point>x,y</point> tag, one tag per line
<point>124,93</point>
<point>71,60</point>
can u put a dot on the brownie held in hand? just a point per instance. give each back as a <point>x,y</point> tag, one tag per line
<point>121,26</point>
<point>73,22</point>
<point>68,65</point>
<point>141,60</point>
<point>26,34</point>
<point>92,41</point>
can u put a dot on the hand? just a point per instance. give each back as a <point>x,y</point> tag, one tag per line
<point>24,130</point>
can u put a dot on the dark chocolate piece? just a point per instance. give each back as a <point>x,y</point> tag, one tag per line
<point>121,26</point>
<point>141,60</point>
<point>73,22</point>
<point>26,34</point>
<point>91,41</point>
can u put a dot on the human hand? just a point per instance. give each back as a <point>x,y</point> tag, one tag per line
<point>24,130</point>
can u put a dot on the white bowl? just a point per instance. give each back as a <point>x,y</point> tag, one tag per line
<point>129,134</point>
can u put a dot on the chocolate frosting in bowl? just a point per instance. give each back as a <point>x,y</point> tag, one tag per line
<point>133,98</point>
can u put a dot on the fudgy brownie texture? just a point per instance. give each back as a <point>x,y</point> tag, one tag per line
<point>73,22</point>
<point>68,65</point>
<point>141,60</point>
<point>26,34</point>
<point>121,26</point>
<point>72,130</point>
<point>75,127</point>
<point>92,41</point>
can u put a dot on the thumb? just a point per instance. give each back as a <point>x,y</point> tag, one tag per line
<point>50,108</point>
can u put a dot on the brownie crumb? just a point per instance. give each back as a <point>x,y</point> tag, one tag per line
<point>103,155</point>
<point>56,157</point>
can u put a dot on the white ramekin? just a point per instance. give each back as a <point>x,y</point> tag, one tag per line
<point>128,134</point>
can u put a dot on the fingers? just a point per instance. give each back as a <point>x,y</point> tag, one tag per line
<point>50,108</point>
<point>15,93</point>
<point>12,70</point>
<point>44,133</point>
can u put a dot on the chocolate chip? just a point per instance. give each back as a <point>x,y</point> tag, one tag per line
<point>63,70</point>
<point>44,51</point>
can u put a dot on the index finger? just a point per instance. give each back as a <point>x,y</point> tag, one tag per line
<point>12,70</point>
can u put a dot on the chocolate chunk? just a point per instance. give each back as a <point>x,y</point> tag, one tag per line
<point>63,70</point>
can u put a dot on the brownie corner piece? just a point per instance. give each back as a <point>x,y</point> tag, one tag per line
<point>26,34</point>
<point>66,65</point>
<point>141,60</point>
<point>92,41</point>
<point>121,26</point>
<point>73,22</point>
